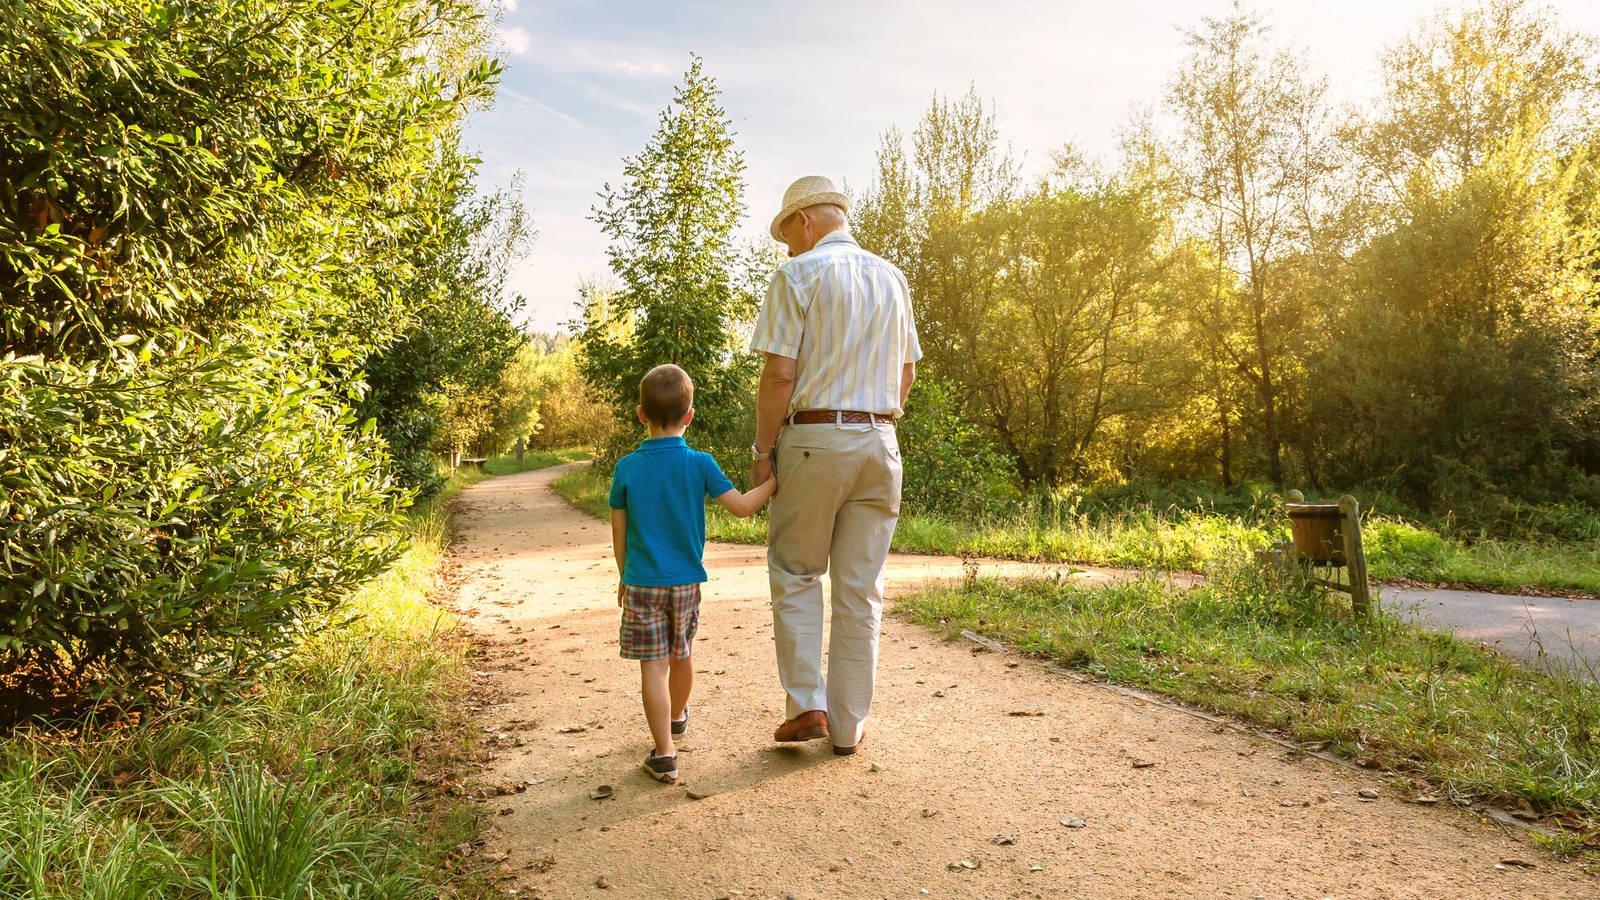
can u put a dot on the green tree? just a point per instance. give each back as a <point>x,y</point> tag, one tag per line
<point>1252,156</point>
<point>682,292</point>
<point>211,214</point>
<point>1479,273</point>
<point>437,387</point>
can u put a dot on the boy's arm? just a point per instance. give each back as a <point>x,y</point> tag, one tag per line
<point>619,546</point>
<point>742,505</point>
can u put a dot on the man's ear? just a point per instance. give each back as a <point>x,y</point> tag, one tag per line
<point>639,411</point>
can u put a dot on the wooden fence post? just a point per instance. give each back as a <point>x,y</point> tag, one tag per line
<point>1355,557</point>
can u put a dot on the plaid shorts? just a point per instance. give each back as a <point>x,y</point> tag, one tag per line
<point>659,621</point>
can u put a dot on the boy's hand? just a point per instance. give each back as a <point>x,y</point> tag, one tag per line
<point>622,591</point>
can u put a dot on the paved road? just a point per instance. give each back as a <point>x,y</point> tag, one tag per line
<point>1552,633</point>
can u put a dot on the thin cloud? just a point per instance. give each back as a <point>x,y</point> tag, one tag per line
<point>527,102</point>
<point>514,41</point>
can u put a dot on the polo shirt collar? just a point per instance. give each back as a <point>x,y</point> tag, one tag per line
<point>663,443</point>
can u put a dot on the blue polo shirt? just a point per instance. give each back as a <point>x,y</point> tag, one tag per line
<point>664,485</point>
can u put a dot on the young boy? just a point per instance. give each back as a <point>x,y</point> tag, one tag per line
<point>658,529</point>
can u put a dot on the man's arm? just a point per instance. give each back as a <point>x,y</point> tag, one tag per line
<point>745,504</point>
<point>772,405</point>
<point>619,546</point>
<point>908,374</point>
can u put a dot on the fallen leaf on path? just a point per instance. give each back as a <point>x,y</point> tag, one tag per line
<point>1003,839</point>
<point>694,795</point>
<point>1367,793</point>
<point>602,882</point>
<point>1025,712</point>
<point>574,729</point>
<point>601,792</point>
<point>1071,822</point>
<point>1142,764</point>
<point>1036,868</point>
<point>929,813</point>
<point>1516,861</point>
<point>965,864</point>
<point>877,767</point>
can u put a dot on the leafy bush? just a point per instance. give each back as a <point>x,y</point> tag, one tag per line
<point>167,527</point>
<point>260,197</point>
<point>949,464</point>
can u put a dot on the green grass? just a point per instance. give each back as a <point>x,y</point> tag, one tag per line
<point>533,459</point>
<point>1475,726</point>
<point>1195,542</point>
<point>314,785</point>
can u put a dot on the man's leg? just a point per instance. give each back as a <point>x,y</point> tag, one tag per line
<point>862,533</point>
<point>799,531</point>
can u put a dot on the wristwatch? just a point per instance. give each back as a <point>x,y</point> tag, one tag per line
<point>759,455</point>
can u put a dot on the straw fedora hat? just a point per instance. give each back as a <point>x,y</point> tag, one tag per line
<point>808,191</point>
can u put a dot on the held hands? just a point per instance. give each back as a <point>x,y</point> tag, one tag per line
<point>760,472</point>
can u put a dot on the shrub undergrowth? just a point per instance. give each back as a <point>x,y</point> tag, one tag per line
<point>314,784</point>
<point>1098,531</point>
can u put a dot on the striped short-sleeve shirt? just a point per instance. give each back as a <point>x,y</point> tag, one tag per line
<point>844,316</point>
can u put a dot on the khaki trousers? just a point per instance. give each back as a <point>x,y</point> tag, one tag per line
<point>837,503</point>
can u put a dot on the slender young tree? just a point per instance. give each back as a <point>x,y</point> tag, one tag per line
<point>681,294</point>
<point>1250,156</point>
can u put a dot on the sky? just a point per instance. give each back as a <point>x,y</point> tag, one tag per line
<point>810,88</point>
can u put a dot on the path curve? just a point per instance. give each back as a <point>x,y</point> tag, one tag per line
<point>1219,814</point>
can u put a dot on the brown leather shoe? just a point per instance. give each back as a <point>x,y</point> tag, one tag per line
<point>808,726</point>
<point>846,751</point>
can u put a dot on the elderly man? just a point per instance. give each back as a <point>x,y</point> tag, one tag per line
<point>841,352</point>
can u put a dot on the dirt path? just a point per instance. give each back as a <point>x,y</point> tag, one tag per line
<point>1218,814</point>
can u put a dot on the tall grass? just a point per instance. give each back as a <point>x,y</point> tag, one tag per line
<point>1198,540</point>
<point>315,785</point>
<point>1253,645</point>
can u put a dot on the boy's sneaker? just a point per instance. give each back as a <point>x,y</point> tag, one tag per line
<point>662,768</point>
<point>680,727</point>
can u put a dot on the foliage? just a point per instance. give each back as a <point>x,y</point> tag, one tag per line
<point>681,291</point>
<point>1399,297</point>
<point>312,786</point>
<point>949,463</point>
<point>214,213</point>
<point>169,527</point>
<point>1266,651</point>
<point>441,385</point>
<point>183,164</point>
<point>544,379</point>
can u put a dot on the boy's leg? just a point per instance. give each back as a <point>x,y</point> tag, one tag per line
<point>683,610</point>
<point>680,682</point>
<point>657,703</point>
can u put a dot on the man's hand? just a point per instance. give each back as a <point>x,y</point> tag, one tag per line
<point>622,591</point>
<point>760,471</point>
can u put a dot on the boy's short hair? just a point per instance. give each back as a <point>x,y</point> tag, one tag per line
<point>665,395</point>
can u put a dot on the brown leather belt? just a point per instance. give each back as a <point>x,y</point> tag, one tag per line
<point>847,416</point>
